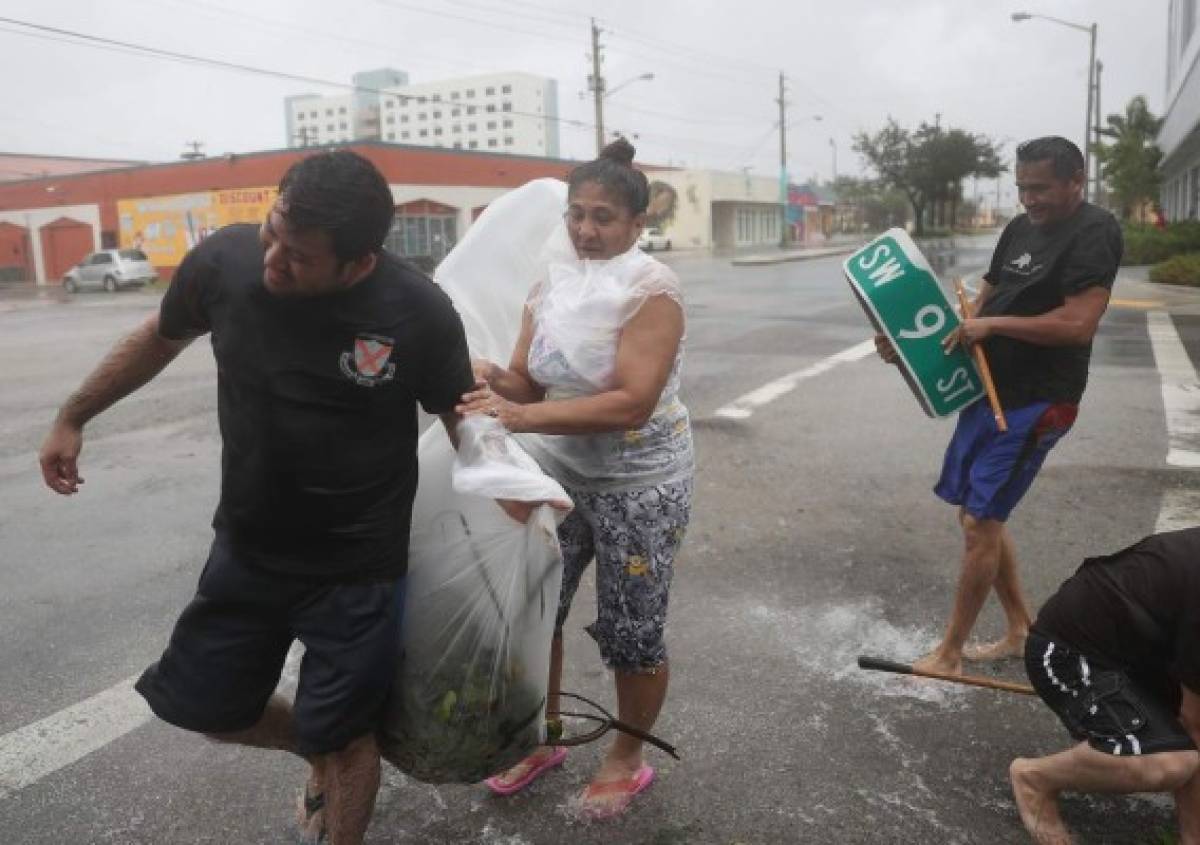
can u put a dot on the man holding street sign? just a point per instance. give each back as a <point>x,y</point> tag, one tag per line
<point>1038,308</point>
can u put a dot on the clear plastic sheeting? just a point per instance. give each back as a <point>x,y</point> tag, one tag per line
<point>482,593</point>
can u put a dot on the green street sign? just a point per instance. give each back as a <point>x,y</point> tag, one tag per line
<point>904,301</point>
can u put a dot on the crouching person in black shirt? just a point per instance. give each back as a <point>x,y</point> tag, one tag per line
<point>324,345</point>
<point>1116,654</point>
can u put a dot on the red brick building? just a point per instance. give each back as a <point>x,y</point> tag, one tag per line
<point>48,223</point>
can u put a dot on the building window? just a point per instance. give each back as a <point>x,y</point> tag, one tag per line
<point>506,107</point>
<point>391,136</point>
<point>422,116</point>
<point>437,130</point>
<point>314,115</point>
<point>458,145</point>
<point>404,118</point>
<point>422,235</point>
<point>456,128</point>
<point>470,92</point>
<point>424,133</point>
<point>470,110</point>
<point>404,135</point>
<point>342,110</point>
<point>474,145</point>
<point>329,112</point>
<point>507,123</point>
<point>422,100</point>
<point>490,91</point>
<point>390,119</point>
<point>508,142</point>
<point>455,112</point>
<point>342,125</point>
<point>492,142</point>
<point>471,127</point>
<point>437,98</point>
<point>329,128</point>
<point>491,124</point>
<point>491,107</point>
<point>437,114</point>
<point>506,89</point>
<point>389,104</point>
<point>453,95</point>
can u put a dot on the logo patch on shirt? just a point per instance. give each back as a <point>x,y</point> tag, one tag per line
<point>1024,265</point>
<point>368,364</point>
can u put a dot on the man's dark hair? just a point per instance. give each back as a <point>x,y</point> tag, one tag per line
<point>1065,158</point>
<point>615,172</point>
<point>343,194</point>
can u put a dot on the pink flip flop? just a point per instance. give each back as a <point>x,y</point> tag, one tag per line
<point>500,787</point>
<point>610,799</point>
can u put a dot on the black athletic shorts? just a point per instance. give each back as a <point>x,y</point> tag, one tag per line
<point>1102,705</point>
<point>228,648</point>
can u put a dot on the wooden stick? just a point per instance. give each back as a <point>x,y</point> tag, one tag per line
<point>985,372</point>
<point>880,665</point>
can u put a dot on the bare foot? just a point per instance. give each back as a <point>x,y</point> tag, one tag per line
<point>935,661</point>
<point>617,768</point>
<point>1038,808</point>
<point>1004,649</point>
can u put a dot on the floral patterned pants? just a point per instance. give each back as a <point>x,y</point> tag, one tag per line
<point>634,536</point>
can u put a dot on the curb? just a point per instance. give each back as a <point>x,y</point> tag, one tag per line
<point>798,255</point>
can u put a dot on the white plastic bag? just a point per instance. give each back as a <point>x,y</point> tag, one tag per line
<point>482,590</point>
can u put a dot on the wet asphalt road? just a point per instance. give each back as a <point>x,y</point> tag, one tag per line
<point>815,538</point>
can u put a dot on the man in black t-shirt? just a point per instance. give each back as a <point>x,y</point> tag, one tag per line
<point>1116,654</point>
<point>324,345</point>
<point>1037,311</point>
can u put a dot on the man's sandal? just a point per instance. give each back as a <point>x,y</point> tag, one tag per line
<point>610,799</point>
<point>308,806</point>
<point>532,773</point>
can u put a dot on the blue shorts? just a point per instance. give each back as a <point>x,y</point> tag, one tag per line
<point>228,649</point>
<point>987,472</point>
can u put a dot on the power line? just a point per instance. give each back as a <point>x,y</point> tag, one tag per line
<point>84,39</point>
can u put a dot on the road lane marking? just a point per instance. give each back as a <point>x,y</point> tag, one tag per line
<point>744,406</point>
<point>1178,510</point>
<point>1144,304</point>
<point>1180,390</point>
<point>30,753</point>
<point>41,748</point>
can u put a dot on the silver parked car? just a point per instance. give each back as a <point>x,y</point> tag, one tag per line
<point>110,269</point>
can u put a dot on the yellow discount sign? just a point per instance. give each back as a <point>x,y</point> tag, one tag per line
<point>166,227</point>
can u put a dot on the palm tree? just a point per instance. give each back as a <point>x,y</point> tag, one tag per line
<point>1130,163</point>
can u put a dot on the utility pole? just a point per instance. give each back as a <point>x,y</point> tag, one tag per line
<point>1087,138</point>
<point>783,178</point>
<point>596,84</point>
<point>195,151</point>
<point>1098,193</point>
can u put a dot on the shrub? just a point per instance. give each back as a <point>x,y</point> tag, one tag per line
<point>1150,245</point>
<point>1180,270</point>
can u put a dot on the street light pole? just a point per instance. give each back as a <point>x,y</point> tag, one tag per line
<point>1087,129</point>
<point>597,85</point>
<point>833,146</point>
<point>783,180</point>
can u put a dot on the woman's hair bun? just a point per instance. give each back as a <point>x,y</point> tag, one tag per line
<point>620,151</point>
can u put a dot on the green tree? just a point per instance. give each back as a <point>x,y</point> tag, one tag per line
<point>868,204</point>
<point>929,164</point>
<point>1129,164</point>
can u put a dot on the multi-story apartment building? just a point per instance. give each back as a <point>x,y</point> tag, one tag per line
<point>502,112</point>
<point>1179,139</point>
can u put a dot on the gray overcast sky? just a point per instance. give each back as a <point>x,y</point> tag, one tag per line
<point>711,103</point>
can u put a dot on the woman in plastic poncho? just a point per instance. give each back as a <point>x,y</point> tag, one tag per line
<point>595,374</point>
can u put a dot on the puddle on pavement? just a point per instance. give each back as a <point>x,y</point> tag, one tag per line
<point>827,640</point>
